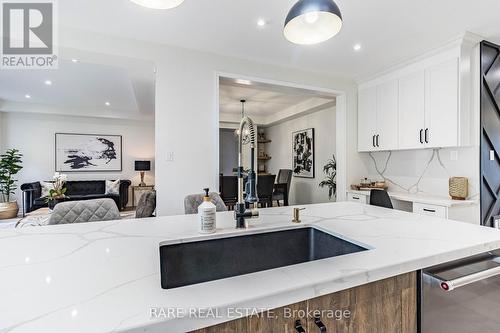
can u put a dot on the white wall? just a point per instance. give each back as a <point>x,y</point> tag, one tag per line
<point>228,148</point>
<point>187,111</point>
<point>33,135</point>
<point>304,190</point>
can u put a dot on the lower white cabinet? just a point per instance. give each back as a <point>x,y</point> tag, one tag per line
<point>361,198</point>
<point>430,206</point>
<point>430,210</point>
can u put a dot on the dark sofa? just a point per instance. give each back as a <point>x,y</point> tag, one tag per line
<point>76,190</point>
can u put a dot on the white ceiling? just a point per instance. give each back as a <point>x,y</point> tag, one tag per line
<point>267,103</point>
<point>389,31</point>
<point>82,89</point>
<point>262,99</point>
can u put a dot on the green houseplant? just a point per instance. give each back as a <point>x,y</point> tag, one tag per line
<point>10,165</point>
<point>330,181</point>
<point>58,191</point>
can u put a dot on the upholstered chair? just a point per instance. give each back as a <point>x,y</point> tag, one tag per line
<point>192,201</point>
<point>84,211</point>
<point>146,205</point>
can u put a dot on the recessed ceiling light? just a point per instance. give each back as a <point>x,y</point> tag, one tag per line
<point>27,96</point>
<point>74,60</point>
<point>107,103</point>
<point>158,4</point>
<point>244,82</point>
<point>261,22</point>
<point>48,82</point>
<point>357,47</point>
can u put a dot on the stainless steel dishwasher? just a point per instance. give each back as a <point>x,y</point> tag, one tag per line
<point>462,296</point>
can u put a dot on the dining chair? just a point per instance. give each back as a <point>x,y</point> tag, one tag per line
<point>229,190</point>
<point>146,205</point>
<point>265,187</point>
<point>380,198</point>
<point>192,201</point>
<point>284,177</point>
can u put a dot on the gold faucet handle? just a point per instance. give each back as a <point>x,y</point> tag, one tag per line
<point>296,215</point>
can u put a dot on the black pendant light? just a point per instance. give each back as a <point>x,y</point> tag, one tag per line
<point>312,21</point>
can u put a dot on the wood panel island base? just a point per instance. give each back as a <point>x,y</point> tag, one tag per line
<point>386,306</point>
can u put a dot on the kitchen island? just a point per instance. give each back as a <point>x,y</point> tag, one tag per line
<point>105,276</point>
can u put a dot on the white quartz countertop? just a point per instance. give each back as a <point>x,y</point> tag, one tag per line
<point>422,198</point>
<point>104,276</point>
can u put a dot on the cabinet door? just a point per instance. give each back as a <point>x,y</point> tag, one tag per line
<point>367,118</point>
<point>281,320</point>
<point>412,110</point>
<point>387,116</point>
<point>386,306</point>
<point>441,112</point>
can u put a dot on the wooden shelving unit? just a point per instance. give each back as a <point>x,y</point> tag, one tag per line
<point>262,157</point>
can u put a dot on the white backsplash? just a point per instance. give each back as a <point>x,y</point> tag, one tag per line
<point>419,171</point>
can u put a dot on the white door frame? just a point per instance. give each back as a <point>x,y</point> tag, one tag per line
<point>340,115</point>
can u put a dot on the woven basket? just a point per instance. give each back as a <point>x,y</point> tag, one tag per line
<point>8,210</point>
<point>459,188</point>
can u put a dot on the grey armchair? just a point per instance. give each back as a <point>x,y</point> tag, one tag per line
<point>84,211</point>
<point>192,201</point>
<point>146,205</point>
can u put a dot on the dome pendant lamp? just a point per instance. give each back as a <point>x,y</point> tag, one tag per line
<point>158,4</point>
<point>312,22</point>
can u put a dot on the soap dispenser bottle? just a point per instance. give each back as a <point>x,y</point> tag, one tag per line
<point>206,215</point>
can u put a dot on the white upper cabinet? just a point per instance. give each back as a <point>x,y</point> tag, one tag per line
<point>441,104</point>
<point>414,107</point>
<point>387,116</point>
<point>411,110</point>
<point>367,118</point>
<point>378,117</point>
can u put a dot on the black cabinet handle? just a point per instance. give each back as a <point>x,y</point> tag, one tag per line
<point>298,327</point>
<point>373,140</point>
<point>321,326</point>
<point>426,135</point>
<point>378,136</point>
<point>429,210</point>
<point>356,198</point>
<point>421,134</point>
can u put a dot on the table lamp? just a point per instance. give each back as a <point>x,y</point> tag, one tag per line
<point>142,166</point>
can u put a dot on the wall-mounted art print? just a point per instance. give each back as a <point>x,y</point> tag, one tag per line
<point>303,153</point>
<point>88,152</point>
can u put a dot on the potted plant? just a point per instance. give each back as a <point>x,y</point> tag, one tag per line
<point>58,192</point>
<point>10,165</point>
<point>330,170</point>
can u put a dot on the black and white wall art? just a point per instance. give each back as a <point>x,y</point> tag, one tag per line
<point>88,152</point>
<point>303,153</point>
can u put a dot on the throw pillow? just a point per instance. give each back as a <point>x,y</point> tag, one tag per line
<point>113,187</point>
<point>46,187</point>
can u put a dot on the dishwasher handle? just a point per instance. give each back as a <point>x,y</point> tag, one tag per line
<point>449,285</point>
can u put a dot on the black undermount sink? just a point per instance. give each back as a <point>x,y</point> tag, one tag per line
<point>201,261</point>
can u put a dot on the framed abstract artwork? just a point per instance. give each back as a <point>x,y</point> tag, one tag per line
<point>303,153</point>
<point>88,152</point>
